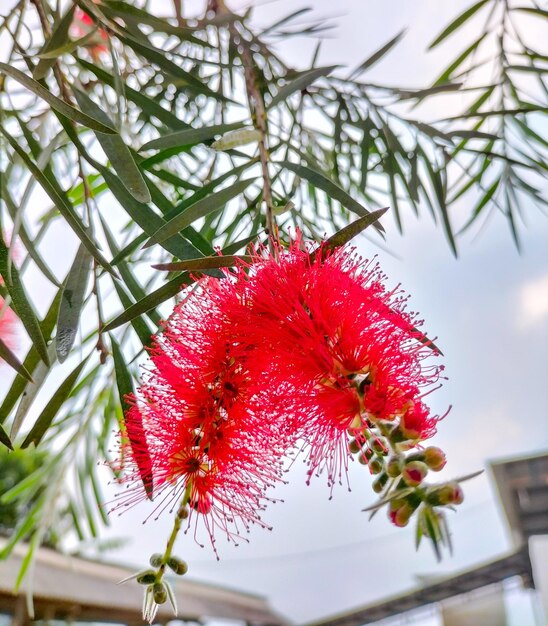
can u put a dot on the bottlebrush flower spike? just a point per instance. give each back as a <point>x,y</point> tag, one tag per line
<point>340,351</point>
<point>201,438</point>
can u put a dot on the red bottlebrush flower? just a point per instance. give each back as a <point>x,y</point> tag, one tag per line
<point>83,25</point>
<point>416,423</point>
<point>193,407</point>
<point>339,351</point>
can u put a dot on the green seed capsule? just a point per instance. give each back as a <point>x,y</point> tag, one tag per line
<point>179,566</point>
<point>353,446</point>
<point>379,445</point>
<point>156,559</point>
<point>146,578</point>
<point>159,592</point>
<point>376,466</point>
<point>394,466</point>
<point>380,482</point>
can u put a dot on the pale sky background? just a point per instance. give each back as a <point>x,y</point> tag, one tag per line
<point>489,309</point>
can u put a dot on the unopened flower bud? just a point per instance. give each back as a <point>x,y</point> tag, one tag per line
<point>394,466</point>
<point>365,456</point>
<point>146,578</point>
<point>380,482</point>
<point>379,445</point>
<point>414,473</point>
<point>159,593</point>
<point>449,493</point>
<point>435,458</point>
<point>156,559</point>
<point>400,512</point>
<point>354,446</point>
<point>179,566</point>
<point>376,466</point>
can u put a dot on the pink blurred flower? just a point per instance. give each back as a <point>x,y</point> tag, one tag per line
<point>82,25</point>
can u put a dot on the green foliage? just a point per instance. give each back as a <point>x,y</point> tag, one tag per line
<point>15,467</point>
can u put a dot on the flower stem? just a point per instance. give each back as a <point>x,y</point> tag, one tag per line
<point>259,118</point>
<point>179,516</point>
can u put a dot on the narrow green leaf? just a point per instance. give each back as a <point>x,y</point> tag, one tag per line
<point>21,304</point>
<point>232,248</point>
<point>134,430</point>
<point>56,103</point>
<point>286,19</point>
<point>376,56</point>
<point>483,201</point>
<point>300,83</point>
<point>146,218</point>
<point>201,208</point>
<point>319,180</point>
<point>4,439</point>
<point>205,263</point>
<point>446,74</point>
<point>31,392</point>
<point>430,520</point>
<point>116,150</point>
<point>7,355</point>
<point>343,236</point>
<point>70,46</point>
<point>51,409</point>
<point>502,112</point>
<point>75,517</point>
<point>472,134</point>
<point>28,559</point>
<point>157,57</point>
<point>152,300</point>
<point>23,528</point>
<point>140,326</point>
<point>527,130</point>
<point>190,136</point>
<point>59,37</point>
<point>88,511</point>
<point>528,68</point>
<point>72,302</point>
<point>27,487</point>
<point>534,11</point>
<point>458,22</point>
<point>61,202</point>
<point>31,245</point>
<point>149,106</point>
<point>98,496</point>
<point>418,536</point>
<point>437,186</point>
<point>411,94</point>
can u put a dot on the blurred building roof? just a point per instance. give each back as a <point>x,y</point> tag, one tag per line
<point>515,564</point>
<point>522,484</point>
<point>68,587</point>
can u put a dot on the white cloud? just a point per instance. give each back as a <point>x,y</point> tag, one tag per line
<point>533,302</point>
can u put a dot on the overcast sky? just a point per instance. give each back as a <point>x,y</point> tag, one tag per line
<point>489,309</point>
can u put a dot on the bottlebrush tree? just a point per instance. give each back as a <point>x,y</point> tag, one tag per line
<point>195,168</point>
